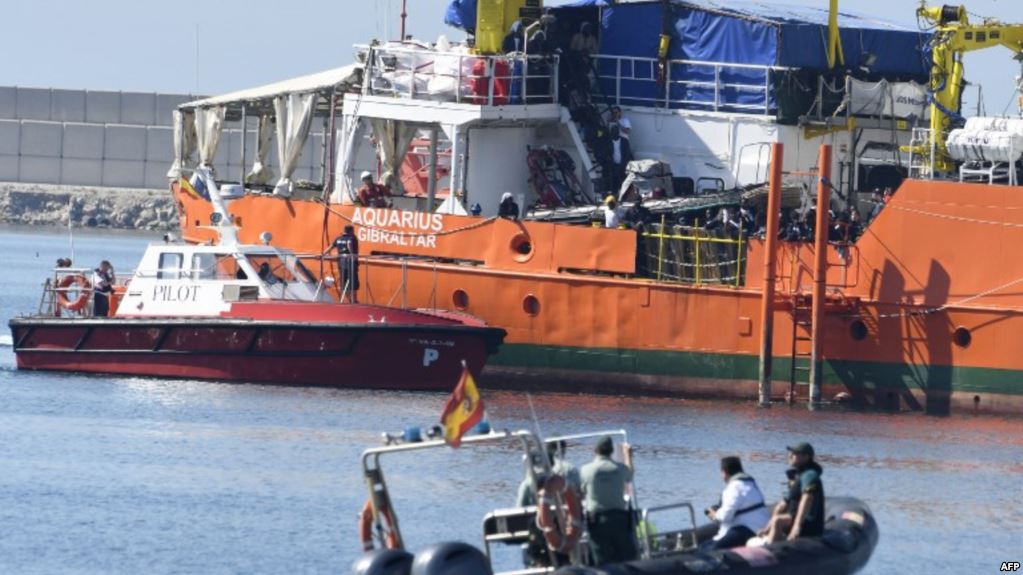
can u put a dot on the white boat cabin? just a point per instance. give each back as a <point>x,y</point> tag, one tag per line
<point>204,280</point>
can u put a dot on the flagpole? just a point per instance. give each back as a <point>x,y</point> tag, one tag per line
<point>70,228</point>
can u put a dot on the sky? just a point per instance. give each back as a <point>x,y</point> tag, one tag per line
<point>217,46</point>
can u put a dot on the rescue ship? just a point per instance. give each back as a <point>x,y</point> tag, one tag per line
<point>245,313</point>
<point>920,311</point>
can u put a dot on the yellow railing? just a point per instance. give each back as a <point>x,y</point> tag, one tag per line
<point>698,239</point>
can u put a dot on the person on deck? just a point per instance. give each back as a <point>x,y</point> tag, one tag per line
<point>513,41</point>
<point>347,247</point>
<point>508,208</point>
<point>621,155</point>
<point>102,286</point>
<point>608,519</point>
<point>584,42</point>
<point>638,217</point>
<point>372,194</point>
<point>801,513</point>
<point>612,213</point>
<point>623,123</point>
<point>742,512</point>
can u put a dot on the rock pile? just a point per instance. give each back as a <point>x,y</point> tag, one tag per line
<point>88,207</point>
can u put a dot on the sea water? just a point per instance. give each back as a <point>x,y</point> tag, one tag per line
<point>139,475</point>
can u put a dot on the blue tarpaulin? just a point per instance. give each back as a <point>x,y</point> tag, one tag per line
<point>461,14</point>
<point>742,33</point>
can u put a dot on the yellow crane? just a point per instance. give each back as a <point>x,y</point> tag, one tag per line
<point>954,35</point>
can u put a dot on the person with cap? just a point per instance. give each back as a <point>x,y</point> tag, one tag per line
<point>741,512</point>
<point>372,194</point>
<point>801,513</point>
<point>612,212</point>
<point>608,519</point>
<point>347,247</point>
<point>508,208</point>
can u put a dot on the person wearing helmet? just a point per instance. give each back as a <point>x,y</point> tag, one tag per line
<point>612,212</point>
<point>508,208</point>
<point>372,194</point>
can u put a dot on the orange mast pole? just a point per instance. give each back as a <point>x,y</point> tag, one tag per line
<point>770,254</point>
<point>820,273</point>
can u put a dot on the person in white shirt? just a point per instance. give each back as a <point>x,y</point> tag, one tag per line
<point>742,512</point>
<point>623,123</point>
<point>612,212</point>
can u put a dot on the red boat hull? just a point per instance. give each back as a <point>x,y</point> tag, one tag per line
<point>391,356</point>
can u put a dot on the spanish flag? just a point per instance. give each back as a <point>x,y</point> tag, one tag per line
<point>463,410</point>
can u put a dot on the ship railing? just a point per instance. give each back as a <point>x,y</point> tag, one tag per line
<point>693,255</point>
<point>922,151</point>
<point>424,74</point>
<point>714,86</point>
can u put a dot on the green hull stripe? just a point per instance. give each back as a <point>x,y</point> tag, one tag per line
<point>723,366</point>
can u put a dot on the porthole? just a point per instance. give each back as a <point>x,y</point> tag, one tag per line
<point>962,337</point>
<point>460,299</point>
<point>521,247</point>
<point>531,305</point>
<point>858,330</point>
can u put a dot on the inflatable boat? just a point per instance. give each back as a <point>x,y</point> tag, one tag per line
<point>849,538</point>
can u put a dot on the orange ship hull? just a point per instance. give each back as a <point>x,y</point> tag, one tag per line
<point>924,311</point>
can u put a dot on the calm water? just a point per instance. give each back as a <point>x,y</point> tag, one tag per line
<point>131,475</point>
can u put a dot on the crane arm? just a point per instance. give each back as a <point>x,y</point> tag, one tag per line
<point>954,36</point>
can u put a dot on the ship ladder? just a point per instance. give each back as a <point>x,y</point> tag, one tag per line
<point>802,342</point>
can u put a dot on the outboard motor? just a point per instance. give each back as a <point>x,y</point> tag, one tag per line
<point>383,562</point>
<point>451,559</point>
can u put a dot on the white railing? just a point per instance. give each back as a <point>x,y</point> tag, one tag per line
<point>636,81</point>
<point>422,74</point>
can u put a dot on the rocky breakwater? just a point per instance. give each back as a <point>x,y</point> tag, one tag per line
<point>88,207</point>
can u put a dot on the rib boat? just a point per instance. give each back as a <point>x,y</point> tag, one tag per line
<point>667,534</point>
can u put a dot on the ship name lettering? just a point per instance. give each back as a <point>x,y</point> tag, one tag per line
<point>181,293</point>
<point>406,220</point>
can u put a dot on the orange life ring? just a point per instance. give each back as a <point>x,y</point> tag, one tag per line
<point>366,527</point>
<point>562,532</point>
<point>84,287</point>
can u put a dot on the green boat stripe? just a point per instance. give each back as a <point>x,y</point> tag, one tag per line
<point>724,366</point>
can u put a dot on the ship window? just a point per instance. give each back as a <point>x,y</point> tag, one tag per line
<point>962,337</point>
<point>531,305</point>
<point>170,266</point>
<point>858,330</point>
<point>204,266</point>
<point>460,299</point>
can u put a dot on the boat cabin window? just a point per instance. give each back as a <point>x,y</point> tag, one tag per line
<point>170,266</point>
<point>207,266</point>
<point>273,269</point>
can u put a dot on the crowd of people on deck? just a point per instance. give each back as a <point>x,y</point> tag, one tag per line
<point>742,512</point>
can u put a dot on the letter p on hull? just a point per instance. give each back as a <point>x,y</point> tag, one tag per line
<point>430,355</point>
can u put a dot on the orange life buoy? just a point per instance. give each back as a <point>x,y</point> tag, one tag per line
<point>366,527</point>
<point>84,287</point>
<point>561,531</point>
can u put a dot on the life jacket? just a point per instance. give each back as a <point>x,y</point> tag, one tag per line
<point>748,479</point>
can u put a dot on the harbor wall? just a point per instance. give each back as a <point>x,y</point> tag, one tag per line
<point>110,139</point>
<point>107,154</point>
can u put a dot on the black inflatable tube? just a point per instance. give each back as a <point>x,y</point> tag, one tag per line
<point>850,535</point>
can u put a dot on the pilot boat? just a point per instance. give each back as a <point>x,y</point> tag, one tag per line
<point>246,313</point>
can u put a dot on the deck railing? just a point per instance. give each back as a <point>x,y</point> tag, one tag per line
<point>715,86</point>
<point>422,74</point>
<point>693,255</point>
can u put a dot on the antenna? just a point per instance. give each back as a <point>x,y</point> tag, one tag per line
<point>70,228</point>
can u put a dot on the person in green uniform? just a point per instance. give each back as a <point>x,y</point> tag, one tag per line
<point>801,512</point>
<point>608,519</point>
